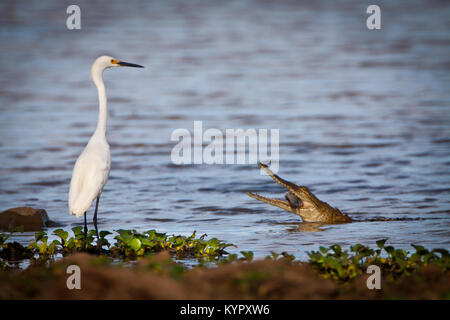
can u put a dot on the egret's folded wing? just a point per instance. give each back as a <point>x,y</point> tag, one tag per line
<point>88,179</point>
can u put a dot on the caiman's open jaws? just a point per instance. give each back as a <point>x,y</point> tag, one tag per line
<point>300,201</point>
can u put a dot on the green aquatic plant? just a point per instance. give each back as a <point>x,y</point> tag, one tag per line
<point>41,245</point>
<point>63,235</point>
<point>130,244</point>
<point>343,265</point>
<point>13,251</point>
<point>133,243</point>
<point>3,238</point>
<point>248,255</point>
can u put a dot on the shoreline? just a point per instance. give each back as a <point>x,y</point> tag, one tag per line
<point>157,277</point>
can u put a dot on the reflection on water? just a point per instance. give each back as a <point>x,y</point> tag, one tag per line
<point>307,227</point>
<point>363,115</point>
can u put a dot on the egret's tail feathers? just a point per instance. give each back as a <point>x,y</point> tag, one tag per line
<point>78,208</point>
<point>76,213</point>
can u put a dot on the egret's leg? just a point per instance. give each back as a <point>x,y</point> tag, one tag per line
<point>95,217</point>
<point>85,232</point>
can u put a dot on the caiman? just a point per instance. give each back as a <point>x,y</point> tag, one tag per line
<point>301,201</point>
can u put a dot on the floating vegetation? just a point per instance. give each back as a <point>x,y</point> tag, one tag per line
<point>129,244</point>
<point>342,265</point>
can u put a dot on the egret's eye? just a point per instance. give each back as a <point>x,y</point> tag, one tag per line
<point>113,61</point>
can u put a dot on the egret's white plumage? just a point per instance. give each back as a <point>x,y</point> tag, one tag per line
<point>92,167</point>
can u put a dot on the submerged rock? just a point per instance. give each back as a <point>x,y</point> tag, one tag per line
<point>31,219</point>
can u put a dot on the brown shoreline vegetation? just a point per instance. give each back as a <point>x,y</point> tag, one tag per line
<point>158,277</point>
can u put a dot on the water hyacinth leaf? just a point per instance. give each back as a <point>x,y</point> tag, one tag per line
<point>77,230</point>
<point>61,233</point>
<point>400,253</point>
<point>124,236</point>
<point>420,250</point>
<point>177,241</point>
<point>103,242</point>
<point>332,262</point>
<point>380,243</point>
<point>357,247</point>
<point>70,243</point>
<point>389,249</point>
<point>323,250</point>
<point>148,243</point>
<point>444,253</point>
<point>214,242</point>
<point>52,246</point>
<point>151,233</point>
<point>42,247</point>
<point>33,245</point>
<point>192,236</point>
<point>39,235</point>
<point>336,248</point>
<point>135,244</point>
<point>124,233</point>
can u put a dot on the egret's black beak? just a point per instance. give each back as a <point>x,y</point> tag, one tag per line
<point>126,64</point>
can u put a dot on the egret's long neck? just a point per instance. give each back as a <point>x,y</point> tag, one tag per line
<point>102,110</point>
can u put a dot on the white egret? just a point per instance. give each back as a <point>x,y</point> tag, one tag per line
<point>92,167</point>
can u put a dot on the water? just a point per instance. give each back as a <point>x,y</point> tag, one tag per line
<point>363,115</point>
